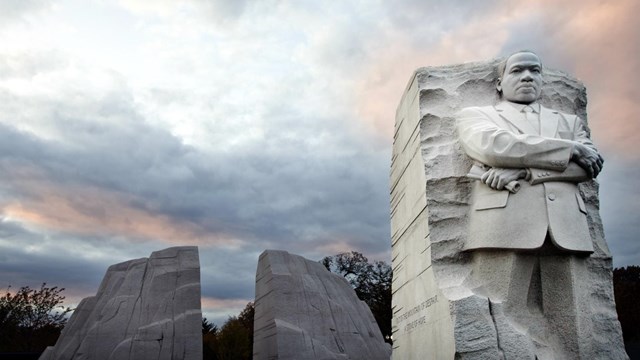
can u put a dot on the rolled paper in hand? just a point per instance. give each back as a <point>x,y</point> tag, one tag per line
<point>476,174</point>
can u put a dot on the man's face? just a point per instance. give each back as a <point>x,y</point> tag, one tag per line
<point>522,78</point>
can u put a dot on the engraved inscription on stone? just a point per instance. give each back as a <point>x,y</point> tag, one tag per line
<point>418,310</point>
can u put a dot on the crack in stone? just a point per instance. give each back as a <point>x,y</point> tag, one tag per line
<point>495,325</point>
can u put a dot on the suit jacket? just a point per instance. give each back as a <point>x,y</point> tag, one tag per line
<point>500,136</point>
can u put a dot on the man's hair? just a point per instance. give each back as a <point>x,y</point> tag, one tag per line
<point>502,66</point>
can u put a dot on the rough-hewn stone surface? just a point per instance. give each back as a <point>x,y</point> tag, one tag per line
<point>144,309</point>
<point>303,311</point>
<point>436,316</point>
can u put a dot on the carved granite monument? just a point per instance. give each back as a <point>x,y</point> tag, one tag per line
<point>303,311</point>
<point>145,309</point>
<point>498,247</point>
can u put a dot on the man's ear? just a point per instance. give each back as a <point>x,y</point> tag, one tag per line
<point>499,85</point>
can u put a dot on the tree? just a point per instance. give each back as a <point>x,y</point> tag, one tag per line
<point>353,266</point>
<point>246,319</point>
<point>29,320</point>
<point>371,282</point>
<point>209,340</point>
<point>626,288</point>
<point>234,341</point>
<point>208,327</point>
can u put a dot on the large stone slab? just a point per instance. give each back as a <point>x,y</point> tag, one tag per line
<point>303,311</point>
<point>145,309</point>
<point>437,313</point>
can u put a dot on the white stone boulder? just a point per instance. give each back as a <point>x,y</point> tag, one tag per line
<point>145,309</point>
<point>303,311</point>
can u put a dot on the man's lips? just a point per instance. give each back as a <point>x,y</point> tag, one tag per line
<point>527,87</point>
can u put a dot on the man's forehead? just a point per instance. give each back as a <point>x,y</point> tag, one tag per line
<point>523,59</point>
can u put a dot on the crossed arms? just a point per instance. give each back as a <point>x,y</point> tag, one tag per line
<point>508,156</point>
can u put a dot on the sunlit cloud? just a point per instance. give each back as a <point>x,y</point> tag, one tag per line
<point>218,311</point>
<point>96,212</point>
<point>604,57</point>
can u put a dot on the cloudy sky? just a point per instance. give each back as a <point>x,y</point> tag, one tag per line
<point>133,125</point>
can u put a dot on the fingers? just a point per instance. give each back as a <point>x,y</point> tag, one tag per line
<point>495,179</point>
<point>485,176</point>
<point>588,159</point>
<point>578,151</point>
<point>503,179</point>
<point>596,163</point>
<point>488,177</point>
<point>596,169</point>
<point>599,164</point>
<point>495,184</point>
<point>586,165</point>
<point>491,178</point>
<point>499,178</point>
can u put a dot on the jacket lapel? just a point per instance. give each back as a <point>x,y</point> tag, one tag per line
<point>509,114</point>
<point>548,122</point>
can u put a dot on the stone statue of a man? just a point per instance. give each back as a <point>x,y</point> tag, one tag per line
<point>529,242</point>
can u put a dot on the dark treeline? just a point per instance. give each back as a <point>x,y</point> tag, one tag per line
<point>371,281</point>
<point>626,288</point>
<point>31,319</point>
<point>233,341</point>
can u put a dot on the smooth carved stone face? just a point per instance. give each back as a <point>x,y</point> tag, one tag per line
<point>522,78</point>
<point>145,309</point>
<point>303,311</point>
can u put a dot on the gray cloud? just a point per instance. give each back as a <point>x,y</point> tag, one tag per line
<point>14,10</point>
<point>309,181</point>
<point>29,258</point>
<point>27,64</point>
<point>422,19</point>
<point>252,190</point>
<point>620,209</point>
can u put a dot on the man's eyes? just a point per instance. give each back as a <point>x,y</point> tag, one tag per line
<point>518,70</point>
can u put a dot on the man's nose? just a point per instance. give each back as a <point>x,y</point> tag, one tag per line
<point>526,76</point>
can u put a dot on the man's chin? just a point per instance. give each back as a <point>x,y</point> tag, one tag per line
<point>523,99</point>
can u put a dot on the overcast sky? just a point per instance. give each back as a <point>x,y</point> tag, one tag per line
<point>130,126</point>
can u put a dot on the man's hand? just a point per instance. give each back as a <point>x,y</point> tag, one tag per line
<point>587,158</point>
<point>498,178</point>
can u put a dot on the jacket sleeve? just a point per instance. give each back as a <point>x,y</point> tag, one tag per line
<point>573,172</point>
<point>580,133</point>
<point>490,144</point>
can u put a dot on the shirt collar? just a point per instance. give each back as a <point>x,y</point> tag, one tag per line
<point>535,106</point>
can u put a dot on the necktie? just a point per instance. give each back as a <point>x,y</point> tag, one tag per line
<point>532,118</point>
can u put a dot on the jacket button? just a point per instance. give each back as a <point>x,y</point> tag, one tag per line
<point>552,196</point>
